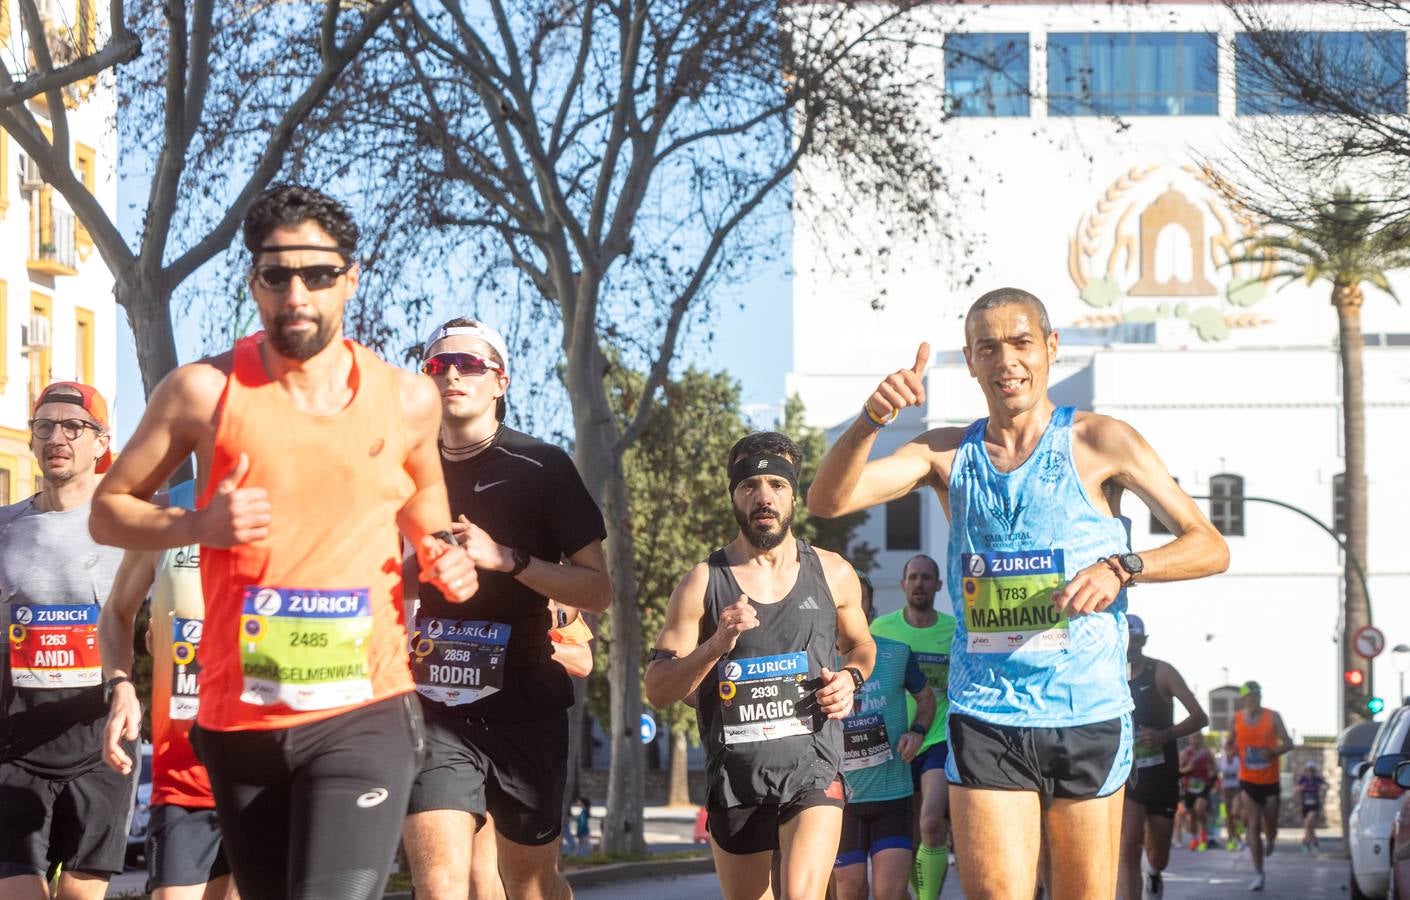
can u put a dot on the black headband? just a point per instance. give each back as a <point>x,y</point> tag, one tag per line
<point>344,252</point>
<point>762,464</point>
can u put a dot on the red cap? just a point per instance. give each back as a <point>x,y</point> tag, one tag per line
<point>85,396</point>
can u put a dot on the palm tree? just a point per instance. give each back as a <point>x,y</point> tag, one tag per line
<point>1346,241</point>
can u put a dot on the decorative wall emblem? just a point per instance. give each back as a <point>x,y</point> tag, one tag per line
<point>1157,245</point>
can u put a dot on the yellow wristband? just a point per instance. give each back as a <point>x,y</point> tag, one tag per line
<point>876,420</point>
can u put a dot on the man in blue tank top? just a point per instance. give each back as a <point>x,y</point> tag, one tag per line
<point>1039,564</point>
<point>753,634</point>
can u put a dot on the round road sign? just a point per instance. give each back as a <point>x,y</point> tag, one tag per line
<point>1368,642</point>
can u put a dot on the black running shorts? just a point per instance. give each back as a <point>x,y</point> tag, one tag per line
<point>869,828</point>
<point>81,821</point>
<point>1157,788</point>
<point>315,811</point>
<point>183,847</point>
<point>1261,793</point>
<point>754,829</point>
<point>1078,762</point>
<point>515,771</point>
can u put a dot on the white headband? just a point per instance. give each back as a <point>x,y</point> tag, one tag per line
<point>479,330</point>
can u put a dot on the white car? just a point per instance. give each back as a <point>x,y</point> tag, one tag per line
<point>1375,799</point>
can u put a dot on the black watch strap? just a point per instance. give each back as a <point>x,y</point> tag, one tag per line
<point>857,678</point>
<point>917,728</point>
<point>111,684</point>
<point>521,561</point>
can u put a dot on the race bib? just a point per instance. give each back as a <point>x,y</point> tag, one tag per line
<point>1008,600</point>
<point>185,670</point>
<point>864,742</point>
<point>1196,786</point>
<point>1257,757</point>
<point>457,662</point>
<point>1145,756</point>
<point>759,697</point>
<point>55,646</point>
<point>306,648</point>
<point>936,668</point>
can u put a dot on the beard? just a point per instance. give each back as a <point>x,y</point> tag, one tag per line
<point>920,601</point>
<point>763,535</point>
<point>302,346</point>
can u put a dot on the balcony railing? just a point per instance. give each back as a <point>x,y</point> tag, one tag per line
<point>52,249</point>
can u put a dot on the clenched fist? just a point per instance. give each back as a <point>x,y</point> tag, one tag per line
<point>236,514</point>
<point>734,621</point>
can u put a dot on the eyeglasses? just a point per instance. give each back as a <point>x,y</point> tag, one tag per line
<point>315,278</point>
<point>72,428</point>
<point>465,364</point>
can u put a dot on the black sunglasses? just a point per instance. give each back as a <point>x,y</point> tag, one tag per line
<point>315,278</point>
<point>465,364</point>
<point>72,428</point>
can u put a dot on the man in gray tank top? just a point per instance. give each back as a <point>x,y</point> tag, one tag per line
<point>61,804</point>
<point>755,630</point>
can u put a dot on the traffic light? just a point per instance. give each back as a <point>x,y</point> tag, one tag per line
<point>1375,705</point>
<point>1354,677</point>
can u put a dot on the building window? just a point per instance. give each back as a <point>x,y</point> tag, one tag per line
<point>903,523</point>
<point>1133,74</point>
<point>986,74</point>
<point>1226,506</point>
<point>1282,73</point>
<point>1339,503</point>
<point>83,344</point>
<point>1157,526</point>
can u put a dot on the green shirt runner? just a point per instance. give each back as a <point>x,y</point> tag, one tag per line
<point>930,647</point>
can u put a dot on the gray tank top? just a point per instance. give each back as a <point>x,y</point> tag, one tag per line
<point>765,740</point>
<point>53,581</point>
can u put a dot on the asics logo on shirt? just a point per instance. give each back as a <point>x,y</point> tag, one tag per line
<point>372,798</point>
<point>479,486</point>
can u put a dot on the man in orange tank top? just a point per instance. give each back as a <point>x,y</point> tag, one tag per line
<point>312,454</point>
<point>1261,738</point>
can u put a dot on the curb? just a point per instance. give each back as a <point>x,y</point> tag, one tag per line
<point>615,873</point>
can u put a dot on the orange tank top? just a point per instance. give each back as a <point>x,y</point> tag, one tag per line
<point>1256,743</point>
<point>308,622</point>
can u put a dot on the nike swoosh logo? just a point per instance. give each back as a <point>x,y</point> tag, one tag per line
<point>484,487</point>
<point>372,798</point>
<point>543,834</point>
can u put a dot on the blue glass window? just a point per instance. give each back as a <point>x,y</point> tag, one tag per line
<point>986,74</point>
<point>1281,73</point>
<point>1133,74</point>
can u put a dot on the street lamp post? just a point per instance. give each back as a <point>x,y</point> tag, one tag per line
<point>1400,653</point>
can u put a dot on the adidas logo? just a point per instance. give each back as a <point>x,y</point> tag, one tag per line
<point>810,603</point>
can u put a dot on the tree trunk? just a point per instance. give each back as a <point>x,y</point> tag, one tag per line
<point>571,789</point>
<point>678,781</point>
<point>1347,300</point>
<point>148,305</point>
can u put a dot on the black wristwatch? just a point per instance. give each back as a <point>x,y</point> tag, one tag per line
<point>1133,565</point>
<point>917,728</point>
<point>521,561</point>
<point>857,678</point>
<point>111,684</point>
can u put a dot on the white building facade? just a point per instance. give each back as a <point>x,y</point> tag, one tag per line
<point>57,312</point>
<point>1112,221</point>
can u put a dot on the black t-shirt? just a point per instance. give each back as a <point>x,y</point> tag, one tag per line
<point>529,497</point>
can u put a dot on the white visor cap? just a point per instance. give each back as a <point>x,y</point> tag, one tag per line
<point>478,330</point>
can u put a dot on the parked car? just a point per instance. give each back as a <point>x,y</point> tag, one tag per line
<point>141,811</point>
<point>1376,800</point>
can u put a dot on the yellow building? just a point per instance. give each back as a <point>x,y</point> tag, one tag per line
<point>57,314</point>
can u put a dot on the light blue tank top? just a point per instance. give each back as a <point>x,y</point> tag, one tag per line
<point>1015,538</point>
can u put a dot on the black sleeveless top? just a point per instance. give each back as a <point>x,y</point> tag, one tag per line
<point>764,738</point>
<point>1152,711</point>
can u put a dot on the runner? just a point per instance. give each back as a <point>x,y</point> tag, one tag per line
<point>1149,818</point>
<point>1230,791</point>
<point>1311,787</point>
<point>756,628</point>
<point>877,822</point>
<point>929,633</point>
<point>310,453</point>
<point>1197,767</point>
<point>1039,726</point>
<point>185,860</point>
<point>496,702</point>
<point>1261,739</point>
<point>60,803</point>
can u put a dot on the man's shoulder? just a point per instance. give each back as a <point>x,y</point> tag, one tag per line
<point>1106,435</point>
<point>13,511</point>
<point>524,446</point>
<point>945,439</point>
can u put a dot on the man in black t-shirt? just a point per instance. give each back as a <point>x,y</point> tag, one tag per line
<point>496,702</point>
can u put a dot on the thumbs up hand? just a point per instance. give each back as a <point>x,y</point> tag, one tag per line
<point>236,514</point>
<point>900,389</point>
